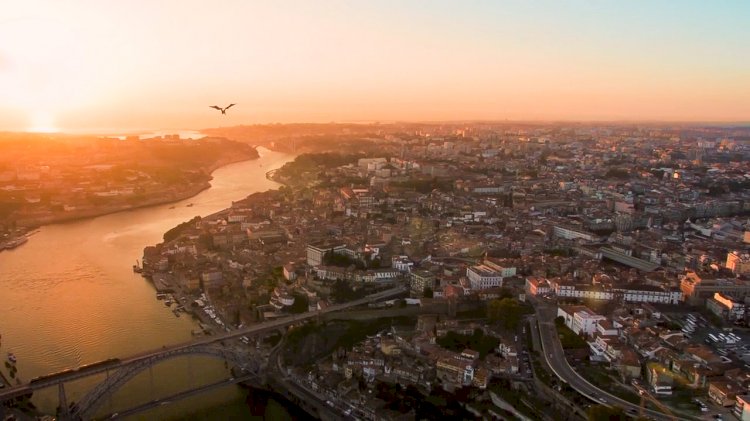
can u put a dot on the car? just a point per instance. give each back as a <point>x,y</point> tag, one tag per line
<point>602,400</point>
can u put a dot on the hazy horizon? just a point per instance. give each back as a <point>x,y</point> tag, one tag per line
<point>85,65</point>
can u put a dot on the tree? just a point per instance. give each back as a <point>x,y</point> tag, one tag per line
<point>507,311</point>
<point>300,304</point>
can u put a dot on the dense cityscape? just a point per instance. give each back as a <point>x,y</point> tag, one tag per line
<point>374,210</point>
<point>630,241</point>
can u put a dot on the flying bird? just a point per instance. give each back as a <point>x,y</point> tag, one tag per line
<point>223,110</point>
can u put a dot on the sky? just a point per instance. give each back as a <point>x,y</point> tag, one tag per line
<point>88,65</point>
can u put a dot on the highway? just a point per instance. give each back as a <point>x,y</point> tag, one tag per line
<point>182,349</point>
<point>555,357</point>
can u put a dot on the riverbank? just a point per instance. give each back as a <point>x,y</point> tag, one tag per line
<point>31,224</point>
<point>79,279</point>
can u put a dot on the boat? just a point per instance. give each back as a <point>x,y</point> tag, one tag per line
<point>137,267</point>
<point>167,302</point>
<point>189,205</point>
<point>12,357</point>
<point>171,207</point>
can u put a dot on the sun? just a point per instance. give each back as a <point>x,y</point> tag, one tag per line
<point>42,122</point>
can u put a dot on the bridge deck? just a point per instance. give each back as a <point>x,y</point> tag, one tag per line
<point>179,349</point>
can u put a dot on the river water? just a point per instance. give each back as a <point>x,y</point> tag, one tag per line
<point>69,297</point>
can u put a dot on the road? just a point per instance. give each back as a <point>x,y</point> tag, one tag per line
<point>555,357</point>
<point>180,349</point>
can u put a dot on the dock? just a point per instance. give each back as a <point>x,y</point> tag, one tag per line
<point>163,282</point>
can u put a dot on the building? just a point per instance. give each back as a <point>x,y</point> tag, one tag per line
<point>726,307</point>
<point>455,369</point>
<point>316,252</point>
<point>572,233</point>
<point>488,275</point>
<point>738,263</point>
<point>724,392</point>
<point>696,289</point>
<point>421,279</point>
<point>536,285</point>
<point>591,292</point>
<point>586,321</point>
<point>649,294</point>
<point>742,407</point>
<point>629,293</point>
<point>482,277</point>
<point>289,272</point>
<point>212,278</point>
<point>580,319</point>
<point>402,263</point>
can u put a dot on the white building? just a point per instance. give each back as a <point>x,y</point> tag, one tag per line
<point>586,321</point>
<point>590,292</point>
<point>649,294</point>
<point>632,294</point>
<point>402,263</point>
<point>488,275</point>
<point>483,277</point>
<point>572,234</point>
<point>580,319</point>
<point>315,252</point>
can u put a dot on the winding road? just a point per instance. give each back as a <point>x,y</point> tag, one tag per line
<point>555,357</point>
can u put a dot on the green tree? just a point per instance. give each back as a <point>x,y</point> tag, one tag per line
<point>506,311</point>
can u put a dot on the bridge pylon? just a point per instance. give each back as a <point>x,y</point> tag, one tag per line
<point>62,400</point>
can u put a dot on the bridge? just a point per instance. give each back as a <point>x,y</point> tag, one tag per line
<point>120,370</point>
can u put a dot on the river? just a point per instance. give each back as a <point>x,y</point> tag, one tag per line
<point>69,297</point>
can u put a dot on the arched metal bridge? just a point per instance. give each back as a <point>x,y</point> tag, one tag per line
<point>120,370</point>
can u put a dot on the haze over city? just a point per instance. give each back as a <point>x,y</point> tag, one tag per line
<point>89,65</point>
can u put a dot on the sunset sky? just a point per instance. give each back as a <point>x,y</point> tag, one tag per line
<point>138,64</point>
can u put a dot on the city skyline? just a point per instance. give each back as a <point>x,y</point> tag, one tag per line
<point>85,66</point>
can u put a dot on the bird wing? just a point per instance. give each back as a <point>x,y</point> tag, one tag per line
<point>229,106</point>
<point>215,106</point>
